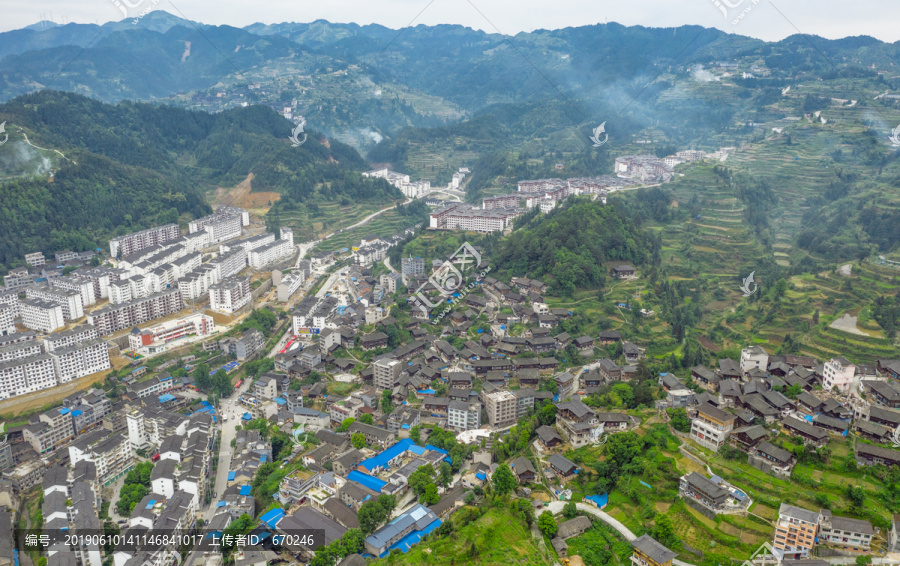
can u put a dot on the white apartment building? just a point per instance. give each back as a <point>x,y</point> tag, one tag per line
<point>195,284</point>
<point>81,285</point>
<point>136,241</point>
<point>70,301</point>
<point>127,289</point>
<point>500,407</point>
<point>290,284</point>
<point>35,259</point>
<point>20,350</point>
<point>838,372</point>
<point>468,217</point>
<point>230,295</point>
<point>224,224</point>
<point>80,360</point>
<point>463,416</point>
<point>26,375</point>
<point>229,264</point>
<point>754,357</point>
<point>712,426</point>
<point>116,317</point>
<point>272,252</point>
<point>112,455</point>
<point>68,338</point>
<point>8,313</point>
<point>248,244</point>
<point>386,373</point>
<point>41,315</point>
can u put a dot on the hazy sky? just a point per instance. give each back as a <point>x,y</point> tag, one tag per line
<point>761,18</point>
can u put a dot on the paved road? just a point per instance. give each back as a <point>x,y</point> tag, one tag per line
<point>557,507</point>
<point>227,406</point>
<point>387,263</point>
<point>368,218</point>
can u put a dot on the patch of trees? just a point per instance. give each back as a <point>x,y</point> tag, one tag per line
<point>572,244</point>
<point>218,383</point>
<point>375,512</point>
<point>136,486</point>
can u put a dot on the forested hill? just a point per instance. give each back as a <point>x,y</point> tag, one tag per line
<point>116,169</point>
<point>572,246</point>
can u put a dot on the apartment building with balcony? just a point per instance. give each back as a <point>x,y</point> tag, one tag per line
<point>712,426</point>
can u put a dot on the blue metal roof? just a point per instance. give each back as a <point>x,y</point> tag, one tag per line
<point>381,460</point>
<point>280,401</point>
<point>371,482</point>
<point>166,397</point>
<point>272,517</point>
<point>245,490</point>
<point>220,504</point>
<point>77,413</point>
<point>481,476</point>
<point>231,476</point>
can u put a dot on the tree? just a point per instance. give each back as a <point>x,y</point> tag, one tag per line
<point>420,479</point>
<point>415,434</point>
<point>570,510</point>
<point>446,474</point>
<point>863,560</point>
<point>503,480</point>
<point>345,424</point>
<point>367,418</point>
<point>856,495</point>
<point>430,496</point>
<point>358,440</point>
<point>387,404</point>
<point>375,512</point>
<point>547,524</point>
<point>200,374</point>
<point>679,419</point>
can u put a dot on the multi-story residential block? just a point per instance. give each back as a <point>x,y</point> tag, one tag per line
<point>230,295</point>
<point>113,455</point>
<point>412,266</point>
<point>464,416</point>
<point>712,426</point>
<point>501,408</point>
<point>196,283</point>
<point>270,253</point>
<point>579,423</point>
<point>839,373</point>
<point>69,338</point>
<point>290,284</point>
<point>266,387</point>
<point>79,360</point>
<point>849,534</point>
<point>166,335</point>
<point>246,346</point>
<point>229,264</point>
<point>19,350</point>
<point>501,201</point>
<point>26,375</point>
<point>137,241</point>
<point>649,552</point>
<point>471,218</point>
<point>795,531</point>
<point>116,317</point>
<point>248,244</point>
<point>50,430</point>
<point>754,357</point>
<point>41,315</point>
<point>224,224</point>
<point>35,259</point>
<point>81,285</point>
<point>345,409</point>
<point>386,374</point>
<point>700,488</point>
